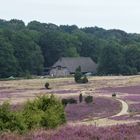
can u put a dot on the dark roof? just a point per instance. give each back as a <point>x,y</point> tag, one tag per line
<point>71,63</point>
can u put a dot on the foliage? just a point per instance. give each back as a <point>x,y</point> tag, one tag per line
<point>72,101</point>
<point>69,101</point>
<point>111,59</point>
<point>132,57</point>
<point>35,46</point>
<point>114,95</point>
<point>59,44</point>
<point>89,99</point>
<point>12,121</point>
<point>78,76</point>
<point>32,115</point>
<point>65,102</point>
<point>48,112</point>
<point>8,62</point>
<point>53,117</point>
<point>85,79</point>
<point>44,111</point>
<point>47,85</point>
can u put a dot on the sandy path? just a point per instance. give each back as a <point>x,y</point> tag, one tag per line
<point>124,110</point>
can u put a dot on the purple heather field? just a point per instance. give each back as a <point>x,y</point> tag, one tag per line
<point>120,132</point>
<point>101,107</point>
<point>133,98</point>
<point>135,107</point>
<point>128,89</point>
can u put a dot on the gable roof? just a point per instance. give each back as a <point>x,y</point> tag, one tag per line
<point>71,63</point>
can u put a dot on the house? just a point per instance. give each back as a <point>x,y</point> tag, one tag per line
<point>67,65</point>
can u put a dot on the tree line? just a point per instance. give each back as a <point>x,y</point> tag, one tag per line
<point>27,49</point>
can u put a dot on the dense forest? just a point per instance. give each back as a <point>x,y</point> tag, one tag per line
<point>27,49</point>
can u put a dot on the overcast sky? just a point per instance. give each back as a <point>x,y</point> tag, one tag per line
<point>109,14</point>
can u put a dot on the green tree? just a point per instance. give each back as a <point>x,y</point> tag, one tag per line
<point>28,54</point>
<point>57,44</point>
<point>8,62</point>
<point>16,24</point>
<point>132,57</point>
<point>111,59</point>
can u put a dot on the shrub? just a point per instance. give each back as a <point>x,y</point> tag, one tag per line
<point>47,85</point>
<point>39,112</point>
<point>43,111</point>
<point>88,99</point>
<point>65,102</point>
<point>32,115</point>
<point>84,79</point>
<point>114,95</point>
<point>78,75</point>
<point>53,117</point>
<point>72,101</point>
<point>69,101</point>
<point>80,97</point>
<point>9,120</point>
<point>17,123</point>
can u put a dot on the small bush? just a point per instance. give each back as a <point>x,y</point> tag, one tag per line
<point>53,117</point>
<point>47,85</point>
<point>69,101</point>
<point>78,75</point>
<point>32,115</point>
<point>17,123</point>
<point>72,101</point>
<point>89,99</point>
<point>65,102</point>
<point>39,112</point>
<point>84,79</point>
<point>80,97</point>
<point>114,95</point>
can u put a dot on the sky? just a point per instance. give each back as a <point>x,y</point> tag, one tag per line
<point>108,14</point>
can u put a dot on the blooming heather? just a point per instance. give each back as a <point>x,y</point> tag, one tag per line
<point>101,107</point>
<point>120,132</point>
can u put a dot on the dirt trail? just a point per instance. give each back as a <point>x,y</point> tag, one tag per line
<point>124,110</point>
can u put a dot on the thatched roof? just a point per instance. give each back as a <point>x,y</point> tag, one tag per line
<point>71,63</point>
